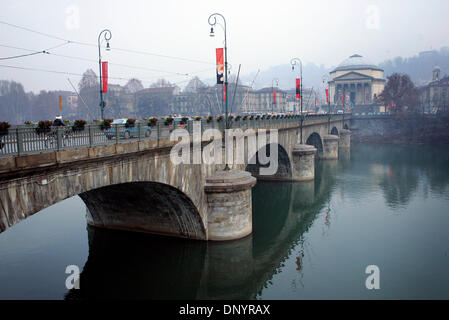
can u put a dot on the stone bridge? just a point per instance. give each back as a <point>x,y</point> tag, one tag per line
<point>202,268</point>
<point>135,185</point>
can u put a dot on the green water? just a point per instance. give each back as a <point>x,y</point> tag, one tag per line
<point>379,205</point>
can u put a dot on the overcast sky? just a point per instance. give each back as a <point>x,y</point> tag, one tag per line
<point>260,34</point>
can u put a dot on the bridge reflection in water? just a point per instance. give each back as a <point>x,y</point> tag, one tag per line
<point>130,265</point>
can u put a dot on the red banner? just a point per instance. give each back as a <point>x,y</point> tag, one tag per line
<point>316,102</point>
<point>342,99</point>
<point>104,72</point>
<point>274,96</point>
<point>298,88</point>
<point>327,95</point>
<point>220,66</point>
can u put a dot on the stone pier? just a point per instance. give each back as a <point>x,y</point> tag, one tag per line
<point>345,139</point>
<point>330,147</point>
<point>229,202</point>
<point>303,157</point>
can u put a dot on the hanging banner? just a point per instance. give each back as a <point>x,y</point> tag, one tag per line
<point>104,72</point>
<point>316,102</point>
<point>60,102</point>
<point>298,88</point>
<point>327,95</point>
<point>220,66</point>
<point>274,96</point>
<point>342,99</point>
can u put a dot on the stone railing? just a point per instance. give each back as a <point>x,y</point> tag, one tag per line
<point>28,139</point>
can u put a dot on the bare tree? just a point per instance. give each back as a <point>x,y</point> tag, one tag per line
<point>134,85</point>
<point>89,80</point>
<point>162,83</point>
<point>400,92</point>
<point>14,103</point>
<point>89,90</point>
<point>194,85</point>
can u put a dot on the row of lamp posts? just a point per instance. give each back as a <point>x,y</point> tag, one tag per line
<point>107,35</point>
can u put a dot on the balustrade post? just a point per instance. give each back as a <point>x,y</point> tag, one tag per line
<point>19,141</point>
<point>59,138</point>
<point>91,136</point>
<point>139,129</point>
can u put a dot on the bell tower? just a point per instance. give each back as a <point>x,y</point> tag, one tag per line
<point>436,74</point>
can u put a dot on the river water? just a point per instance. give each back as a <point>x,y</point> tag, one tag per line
<point>380,205</point>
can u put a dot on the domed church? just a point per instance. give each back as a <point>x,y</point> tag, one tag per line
<point>356,83</point>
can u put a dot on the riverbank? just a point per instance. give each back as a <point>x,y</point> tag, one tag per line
<point>416,129</point>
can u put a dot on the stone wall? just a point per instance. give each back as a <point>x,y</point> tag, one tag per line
<point>401,129</point>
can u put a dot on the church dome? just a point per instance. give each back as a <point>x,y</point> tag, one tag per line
<point>356,62</point>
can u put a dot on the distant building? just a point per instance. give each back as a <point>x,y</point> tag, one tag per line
<point>157,101</point>
<point>262,101</point>
<point>309,102</point>
<point>434,96</point>
<point>359,81</point>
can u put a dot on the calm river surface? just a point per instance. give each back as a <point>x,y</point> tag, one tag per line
<point>379,205</point>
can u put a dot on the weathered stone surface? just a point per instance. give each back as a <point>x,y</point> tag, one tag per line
<point>146,207</point>
<point>7,164</point>
<point>330,147</point>
<point>123,148</point>
<point>72,155</point>
<point>102,151</point>
<point>345,139</point>
<point>230,207</point>
<point>303,156</point>
<point>36,160</point>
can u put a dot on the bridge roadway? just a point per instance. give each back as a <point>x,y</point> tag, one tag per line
<point>132,184</point>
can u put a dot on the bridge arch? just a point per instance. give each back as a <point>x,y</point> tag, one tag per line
<point>144,206</point>
<point>334,131</point>
<point>315,140</point>
<point>28,194</point>
<point>284,170</point>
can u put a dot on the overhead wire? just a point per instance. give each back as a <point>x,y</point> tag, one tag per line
<point>77,74</point>
<point>95,45</point>
<point>95,61</point>
<point>67,41</point>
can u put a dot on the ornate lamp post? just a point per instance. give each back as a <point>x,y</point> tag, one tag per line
<point>212,22</point>
<point>272,90</point>
<point>107,36</point>
<point>328,102</point>
<point>293,62</point>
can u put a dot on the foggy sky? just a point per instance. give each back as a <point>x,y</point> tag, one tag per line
<point>260,34</point>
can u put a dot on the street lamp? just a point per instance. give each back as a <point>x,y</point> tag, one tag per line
<point>272,90</point>
<point>212,22</point>
<point>107,36</point>
<point>328,101</point>
<point>293,62</point>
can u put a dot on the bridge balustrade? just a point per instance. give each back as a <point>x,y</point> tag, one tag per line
<point>29,139</point>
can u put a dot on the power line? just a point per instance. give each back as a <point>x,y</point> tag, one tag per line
<point>23,55</point>
<point>111,63</point>
<point>73,73</point>
<point>95,45</point>
<point>33,31</point>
